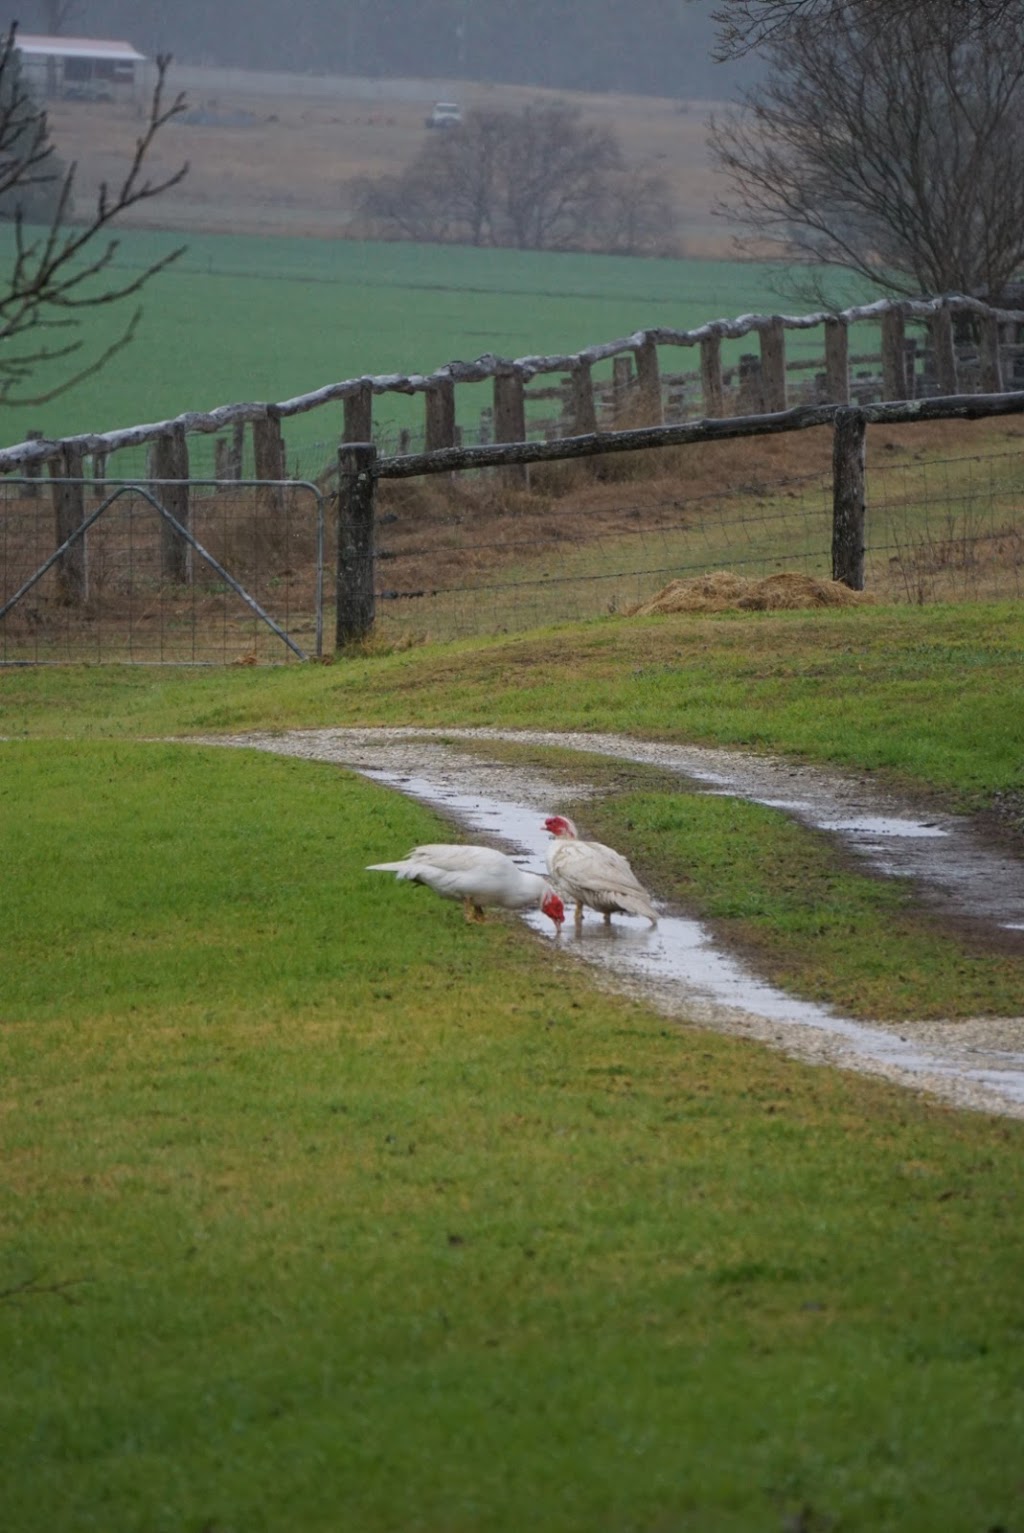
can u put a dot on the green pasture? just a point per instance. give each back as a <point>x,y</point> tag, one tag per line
<point>244,318</point>
<point>322,1208</point>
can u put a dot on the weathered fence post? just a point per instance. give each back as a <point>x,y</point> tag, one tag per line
<point>357,484</point>
<point>33,470</point>
<point>439,423</point>
<point>99,474</point>
<point>772,340</point>
<point>228,453</point>
<point>237,458</point>
<point>837,360</point>
<point>940,325</point>
<point>222,458</point>
<point>168,459</point>
<point>711,376</point>
<point>749,394</point>
<point>510,420</point>
<point>622,385</point>
<point>268,461</point>
<point>69,513</point>
<point>358,415</point>
<point>584,415</point>
<point>894,366</point>
<point>910,372</point>
<point>990,380</point>
<point>848,453</point>
<point>648,379</point>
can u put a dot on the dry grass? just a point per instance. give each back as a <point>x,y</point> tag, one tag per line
<point>722,591</point>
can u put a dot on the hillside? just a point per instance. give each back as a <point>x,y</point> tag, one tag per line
<point>275,153</point>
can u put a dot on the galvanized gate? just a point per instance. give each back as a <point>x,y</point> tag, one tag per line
<point>160,571</point>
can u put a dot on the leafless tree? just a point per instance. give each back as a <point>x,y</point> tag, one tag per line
<point>638,216</point>
<point>63,265</point>
<point>893,152</point>
<point>746,25</point>
<point>539,179</point>
<point>451,191</point>
<point>407,206</point>
<point>465,169</point>
<point>554,177</point>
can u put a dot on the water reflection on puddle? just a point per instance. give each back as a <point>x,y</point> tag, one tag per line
<point>676,965</point>
<point>852,825</point>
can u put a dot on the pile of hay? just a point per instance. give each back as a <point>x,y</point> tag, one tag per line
<point>723,591</point>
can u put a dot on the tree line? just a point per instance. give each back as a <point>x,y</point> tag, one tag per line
<point>657,47</point>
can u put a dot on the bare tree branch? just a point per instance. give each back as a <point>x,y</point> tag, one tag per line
<point>65,267</point>
<point>747,25</point>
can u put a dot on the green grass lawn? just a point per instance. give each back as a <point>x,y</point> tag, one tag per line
<point>324,1209</point>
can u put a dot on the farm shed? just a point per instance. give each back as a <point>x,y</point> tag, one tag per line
<point>80,68</point>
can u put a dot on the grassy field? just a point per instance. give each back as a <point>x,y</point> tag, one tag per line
<point>249,318</point>
<point>319,1203</point>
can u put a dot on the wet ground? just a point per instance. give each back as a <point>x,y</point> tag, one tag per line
<point>677,967</point>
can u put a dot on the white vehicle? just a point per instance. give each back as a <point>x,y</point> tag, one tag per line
<point>446,114</point>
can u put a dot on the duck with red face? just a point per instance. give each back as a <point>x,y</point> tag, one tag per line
<point>480,877</point>
<point>594,875</point>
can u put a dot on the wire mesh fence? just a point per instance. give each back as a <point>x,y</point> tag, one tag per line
<point>480,553</point>
<point>460,562</point>
<point>240,582</point>
<point>451,575</point>
<point>946,529</point>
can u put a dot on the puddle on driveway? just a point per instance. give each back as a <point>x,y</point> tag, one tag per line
<point>676,967</point>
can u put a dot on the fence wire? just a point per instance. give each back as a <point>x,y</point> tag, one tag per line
<point>247,590</point>
<point>948,529</point>
<point>452,566</point>
<point>478,554</point>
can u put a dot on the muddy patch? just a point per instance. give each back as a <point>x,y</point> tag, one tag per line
<point>677,967</point>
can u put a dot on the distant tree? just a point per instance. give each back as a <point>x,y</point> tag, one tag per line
<point>539,179</point>
<point>554,177</point>
<point>60,266</point>
<point>890,146</point>
<point>639,217</point>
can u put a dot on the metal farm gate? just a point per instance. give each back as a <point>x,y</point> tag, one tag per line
<point>160,571</point>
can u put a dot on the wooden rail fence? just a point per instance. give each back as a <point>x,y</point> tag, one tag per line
<point>988,359</point>
<point>360,468</point>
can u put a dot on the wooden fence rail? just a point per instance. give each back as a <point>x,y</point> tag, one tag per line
<point>636,380</point>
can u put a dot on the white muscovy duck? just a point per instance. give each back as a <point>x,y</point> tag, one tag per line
<point>478,876</point>
<point>595,875</point>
